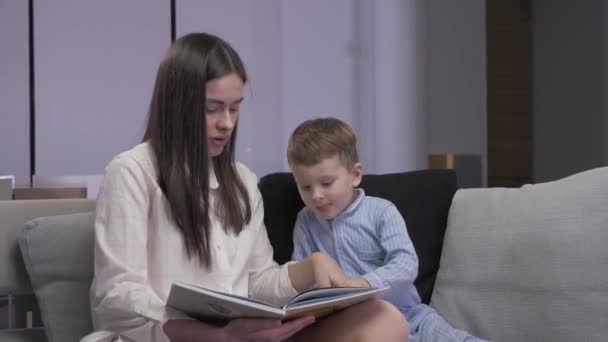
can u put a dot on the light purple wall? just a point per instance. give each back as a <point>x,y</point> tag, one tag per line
<point>569,104</point>
<point>325,58</point>
<point>365,62</point>
<point>457,78</point>
<point>401,98</point>
<point>14,91</point>
<point>255,33</point>
<point>95,68</point>
<point>319,62</point>
<point>297,70</point>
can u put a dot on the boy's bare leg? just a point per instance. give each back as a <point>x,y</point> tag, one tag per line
<point>373,320</point>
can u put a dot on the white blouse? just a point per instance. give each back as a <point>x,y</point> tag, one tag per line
<point>139,252</point>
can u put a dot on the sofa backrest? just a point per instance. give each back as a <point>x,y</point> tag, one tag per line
<point>58,249</point>
<point>528,264</point>
<point>422,197</point>
<point>14,279</point>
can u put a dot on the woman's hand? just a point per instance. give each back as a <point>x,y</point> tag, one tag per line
<point>270,330</point>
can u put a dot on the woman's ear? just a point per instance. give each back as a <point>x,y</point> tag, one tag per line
<point>356,174</point>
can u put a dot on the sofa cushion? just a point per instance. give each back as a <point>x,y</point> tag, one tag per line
<point>58,255</point>
<point>528,263</point>
<point>422,197</point>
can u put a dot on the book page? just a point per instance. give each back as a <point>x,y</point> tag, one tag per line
<point>219,293</point>
<point>326,293</point>
<point>322,306</point>
<point>203,303</point>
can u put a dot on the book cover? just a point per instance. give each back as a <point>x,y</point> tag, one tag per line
<point>204,303</point>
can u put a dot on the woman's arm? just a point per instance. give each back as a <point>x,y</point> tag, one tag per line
<point>278,284</point>
<point>121,297</point>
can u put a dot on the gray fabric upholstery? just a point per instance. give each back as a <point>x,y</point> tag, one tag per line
<point>23,335</point>
<point>528,264</point>
<point>58,254</point>
<point>13,215</point>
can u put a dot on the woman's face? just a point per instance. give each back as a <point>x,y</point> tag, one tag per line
<point>224,97</point>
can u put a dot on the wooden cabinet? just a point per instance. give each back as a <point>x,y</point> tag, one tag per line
<point>509,123</point>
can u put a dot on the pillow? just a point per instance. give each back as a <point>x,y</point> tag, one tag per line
<point>58,255</point>
<point>422,197</point>
<point>528,263</point>
<point>282,203</point>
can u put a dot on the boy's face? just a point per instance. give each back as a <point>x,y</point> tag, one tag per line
<point>327,187</point>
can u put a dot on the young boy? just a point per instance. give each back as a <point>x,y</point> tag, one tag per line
<point>366,235</point>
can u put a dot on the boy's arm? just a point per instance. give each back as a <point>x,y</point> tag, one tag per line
<point>400,262</point>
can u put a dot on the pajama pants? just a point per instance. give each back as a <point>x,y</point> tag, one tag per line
<point>427,326</point>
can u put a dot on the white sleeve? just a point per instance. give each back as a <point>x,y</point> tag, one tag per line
<point>121,298</point>
<point>267,280</point>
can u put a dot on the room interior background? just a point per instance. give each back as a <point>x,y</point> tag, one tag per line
<point>413,78</point>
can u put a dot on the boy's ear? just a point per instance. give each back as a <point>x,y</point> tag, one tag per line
<point>357,174</point>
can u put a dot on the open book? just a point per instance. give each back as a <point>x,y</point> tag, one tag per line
<point>204,303</point>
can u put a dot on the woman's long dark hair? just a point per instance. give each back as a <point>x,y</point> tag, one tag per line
<point>177,132</point>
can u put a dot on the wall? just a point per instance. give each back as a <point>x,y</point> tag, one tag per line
<point>569,72</point>
<point>388,68</point>
<point>400,85</point>
<point>14,91</point>
<point>457,78</point>
<point>255,32</point>
<point>355,60</point>
<point>95,68</point>
<point>319,61</point>
<point>93,83</point>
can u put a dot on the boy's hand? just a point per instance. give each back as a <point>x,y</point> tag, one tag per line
<point>316,268</point>
<point>356,282</point>
<point>327,272</point>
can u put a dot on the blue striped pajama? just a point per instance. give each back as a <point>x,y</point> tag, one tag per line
<point>369,239</point>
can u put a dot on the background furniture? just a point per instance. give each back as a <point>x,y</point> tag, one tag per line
<point>90,183</point>
<point>525,264</point>
<point>14,279</point>
<point>6,187</point>
<point>49,193</point>
<point>468,168</point>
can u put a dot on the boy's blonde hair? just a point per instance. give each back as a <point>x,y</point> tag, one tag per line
<point>317,139</point>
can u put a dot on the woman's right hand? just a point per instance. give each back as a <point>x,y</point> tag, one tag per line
<point>270,330</point>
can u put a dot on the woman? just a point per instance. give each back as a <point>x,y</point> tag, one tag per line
<point>177,207</point>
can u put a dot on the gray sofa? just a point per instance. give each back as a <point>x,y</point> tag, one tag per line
<point>527,264</point>
<point>59,244</point>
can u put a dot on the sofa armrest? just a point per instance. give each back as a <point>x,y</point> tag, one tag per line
<point>528,264</point>
<point>13,216</point>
